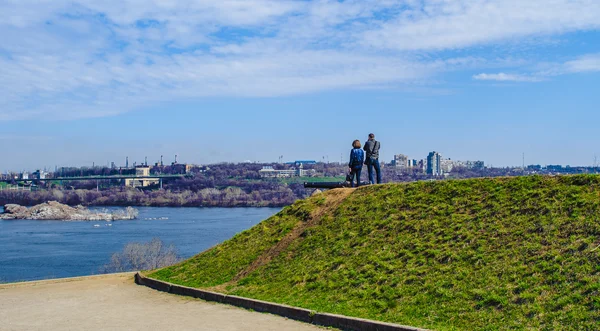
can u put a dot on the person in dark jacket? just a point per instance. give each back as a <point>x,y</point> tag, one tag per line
<point>357,157</point>
<point>372,161</point>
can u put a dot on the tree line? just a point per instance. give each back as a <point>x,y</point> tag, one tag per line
<point>223,185</point>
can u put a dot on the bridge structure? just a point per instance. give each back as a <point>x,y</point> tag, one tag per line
<point>130,180</point>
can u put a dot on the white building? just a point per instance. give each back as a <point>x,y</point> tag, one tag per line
<point>269,172</point>
<point>401,161</point>
<point>446,165</point>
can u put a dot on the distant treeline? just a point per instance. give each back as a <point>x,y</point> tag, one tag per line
<point>223,185</point>
<point>122,196</point>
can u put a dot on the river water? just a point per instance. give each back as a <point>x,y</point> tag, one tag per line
<point>32,250</point>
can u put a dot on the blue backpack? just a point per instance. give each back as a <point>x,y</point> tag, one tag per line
<point>357,157</point>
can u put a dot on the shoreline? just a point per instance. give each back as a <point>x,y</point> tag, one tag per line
<point>170,206</point>
<point>208,207</point>
<point>43,281</point>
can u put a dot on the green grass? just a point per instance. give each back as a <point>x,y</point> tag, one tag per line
<point>221,263</point>
<point>312,179</point>
<point>485,254</point>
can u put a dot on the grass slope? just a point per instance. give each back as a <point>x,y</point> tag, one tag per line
<point>508,253</point>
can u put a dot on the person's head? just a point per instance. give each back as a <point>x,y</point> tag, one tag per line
<point>371,136</point>
<point>356,143</point>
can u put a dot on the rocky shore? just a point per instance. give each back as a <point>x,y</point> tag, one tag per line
<point>53,210</point>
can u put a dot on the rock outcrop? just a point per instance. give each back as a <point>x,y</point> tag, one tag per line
<point>53,210</point>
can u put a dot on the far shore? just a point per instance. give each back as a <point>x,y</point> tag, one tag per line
<point>138,206</point>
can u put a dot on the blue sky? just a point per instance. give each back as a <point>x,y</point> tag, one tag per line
<point>85,82</point>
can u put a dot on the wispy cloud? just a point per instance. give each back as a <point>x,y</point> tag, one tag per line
<point>583,64</point>
<point>502,77</point>
<point>586,63</point>
<point>65,59</point>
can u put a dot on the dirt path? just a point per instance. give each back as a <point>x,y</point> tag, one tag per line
<point>114,302</point>
<point>333,199</point>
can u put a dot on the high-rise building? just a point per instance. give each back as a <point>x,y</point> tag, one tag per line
<point>477,165</point>
<point>422,165</point>
<point>400,161</point>
<point>447,165</point>
<point>434,166</point>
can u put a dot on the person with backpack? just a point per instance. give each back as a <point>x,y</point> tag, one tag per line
<point>372,161</point>
<point>357,157</point>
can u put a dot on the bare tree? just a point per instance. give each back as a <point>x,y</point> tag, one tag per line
<point>142,256</point>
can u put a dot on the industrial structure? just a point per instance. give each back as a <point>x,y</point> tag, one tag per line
<point>142,178</point>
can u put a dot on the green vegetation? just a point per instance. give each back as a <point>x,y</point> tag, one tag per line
<point>301,180</point>
<point>223,262</point>
<point>484,254</point>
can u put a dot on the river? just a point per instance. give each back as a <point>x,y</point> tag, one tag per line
<point>33,250</point>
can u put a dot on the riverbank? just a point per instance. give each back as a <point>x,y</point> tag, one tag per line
<point>32,250</point>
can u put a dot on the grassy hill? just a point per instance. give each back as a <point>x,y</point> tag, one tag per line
<point>507,253</point>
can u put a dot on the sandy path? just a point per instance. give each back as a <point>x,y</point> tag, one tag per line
<point>114,302</point>
<point>333,199</point>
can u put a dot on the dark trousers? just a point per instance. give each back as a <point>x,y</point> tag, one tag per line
<point>374,163</point>
<point>355,171</point>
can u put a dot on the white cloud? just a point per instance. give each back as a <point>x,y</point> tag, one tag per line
<point>450,24</point>
<point>502,77</point>
<point>87,58</point>
<point>586,63</point>
<point>583,64</point>
<point>124,12</point>
<point>111,87</point>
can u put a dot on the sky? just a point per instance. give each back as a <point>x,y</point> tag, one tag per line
<point>86,82</point>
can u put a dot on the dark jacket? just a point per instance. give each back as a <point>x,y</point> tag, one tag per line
<point>372,148</point>
<point>357,157</point>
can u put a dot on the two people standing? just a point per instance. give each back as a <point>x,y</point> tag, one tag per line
<point>357,158</point>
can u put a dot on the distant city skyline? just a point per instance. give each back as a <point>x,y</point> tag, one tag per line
<point>227,81</point>
<point>439,158</point>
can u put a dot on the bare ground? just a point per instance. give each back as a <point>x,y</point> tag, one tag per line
<point>114,302</point>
